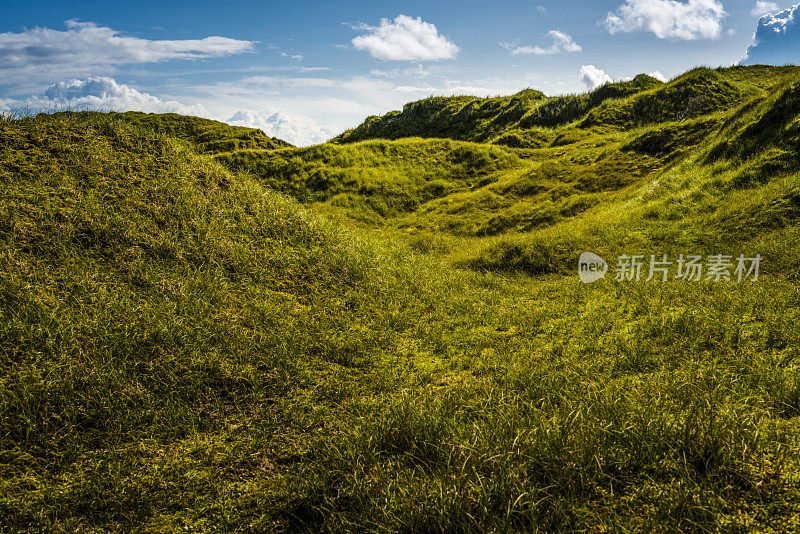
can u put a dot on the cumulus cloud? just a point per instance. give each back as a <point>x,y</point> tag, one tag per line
<point>405,39</point>
<point>85,46</point>
<point>103,93</point>
<point>658,76</point>
<point>777,39</point>
<point>562,42</point>
<point>593,77</point>
<point>762,8</point>
<point>298,130</point>
<point>669,19</point>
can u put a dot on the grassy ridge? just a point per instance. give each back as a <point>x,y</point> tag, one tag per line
<point>184,348</point>
<point>205,135</point>
<point>497,120</point>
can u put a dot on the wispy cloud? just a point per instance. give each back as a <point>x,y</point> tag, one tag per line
<point>417,72</point>
<point>85,47</point>
<point>405,39</point>
<point>762,8</point>
<point>668,19</point>
<point>413,89</point>
<point>562,42</point>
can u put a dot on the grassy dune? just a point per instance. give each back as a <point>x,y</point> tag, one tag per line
<point>201,330</point>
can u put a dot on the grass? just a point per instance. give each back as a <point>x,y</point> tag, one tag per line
<point>389,335</point>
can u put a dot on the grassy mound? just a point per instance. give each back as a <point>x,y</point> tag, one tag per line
<point>464,118</point>
<point>207,136</point>
<point>698,92</point>
<point>723,181</point>
<point>377,179</point>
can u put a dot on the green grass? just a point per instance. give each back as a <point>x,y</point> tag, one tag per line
<point>389,335</point>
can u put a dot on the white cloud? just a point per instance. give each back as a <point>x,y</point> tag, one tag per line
<point>658,76</point>
<point>85,47</point>
<point>298,130</point>
<point>284,83</point>
<point>417,71</point>
<point>405,39</point>
<point>777,39</point>
<point>103,93</point>
<point>762,8</point>
<point>593,77</point>
<point>562,42</point>
<point>412,89</point>
<point>7,105</point>
<point>295,57</point>
<point>669,19</point>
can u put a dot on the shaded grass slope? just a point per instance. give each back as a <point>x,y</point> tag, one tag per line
<point>149,298</point>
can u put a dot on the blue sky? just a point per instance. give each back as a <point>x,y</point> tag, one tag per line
<point>305,71</point>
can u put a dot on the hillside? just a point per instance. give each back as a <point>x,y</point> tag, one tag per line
<point>496,120</point>
<point>203,329</point>
<point>706,151</point>
<point>207,136</point>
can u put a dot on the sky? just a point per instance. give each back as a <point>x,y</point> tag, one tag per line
<point>306,71</point>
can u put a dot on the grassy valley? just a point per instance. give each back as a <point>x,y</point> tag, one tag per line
<point>206,329</point>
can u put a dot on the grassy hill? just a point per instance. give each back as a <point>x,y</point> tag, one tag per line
<point>205,135</point>
<point>203,329</point>
<point>497,120</point>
